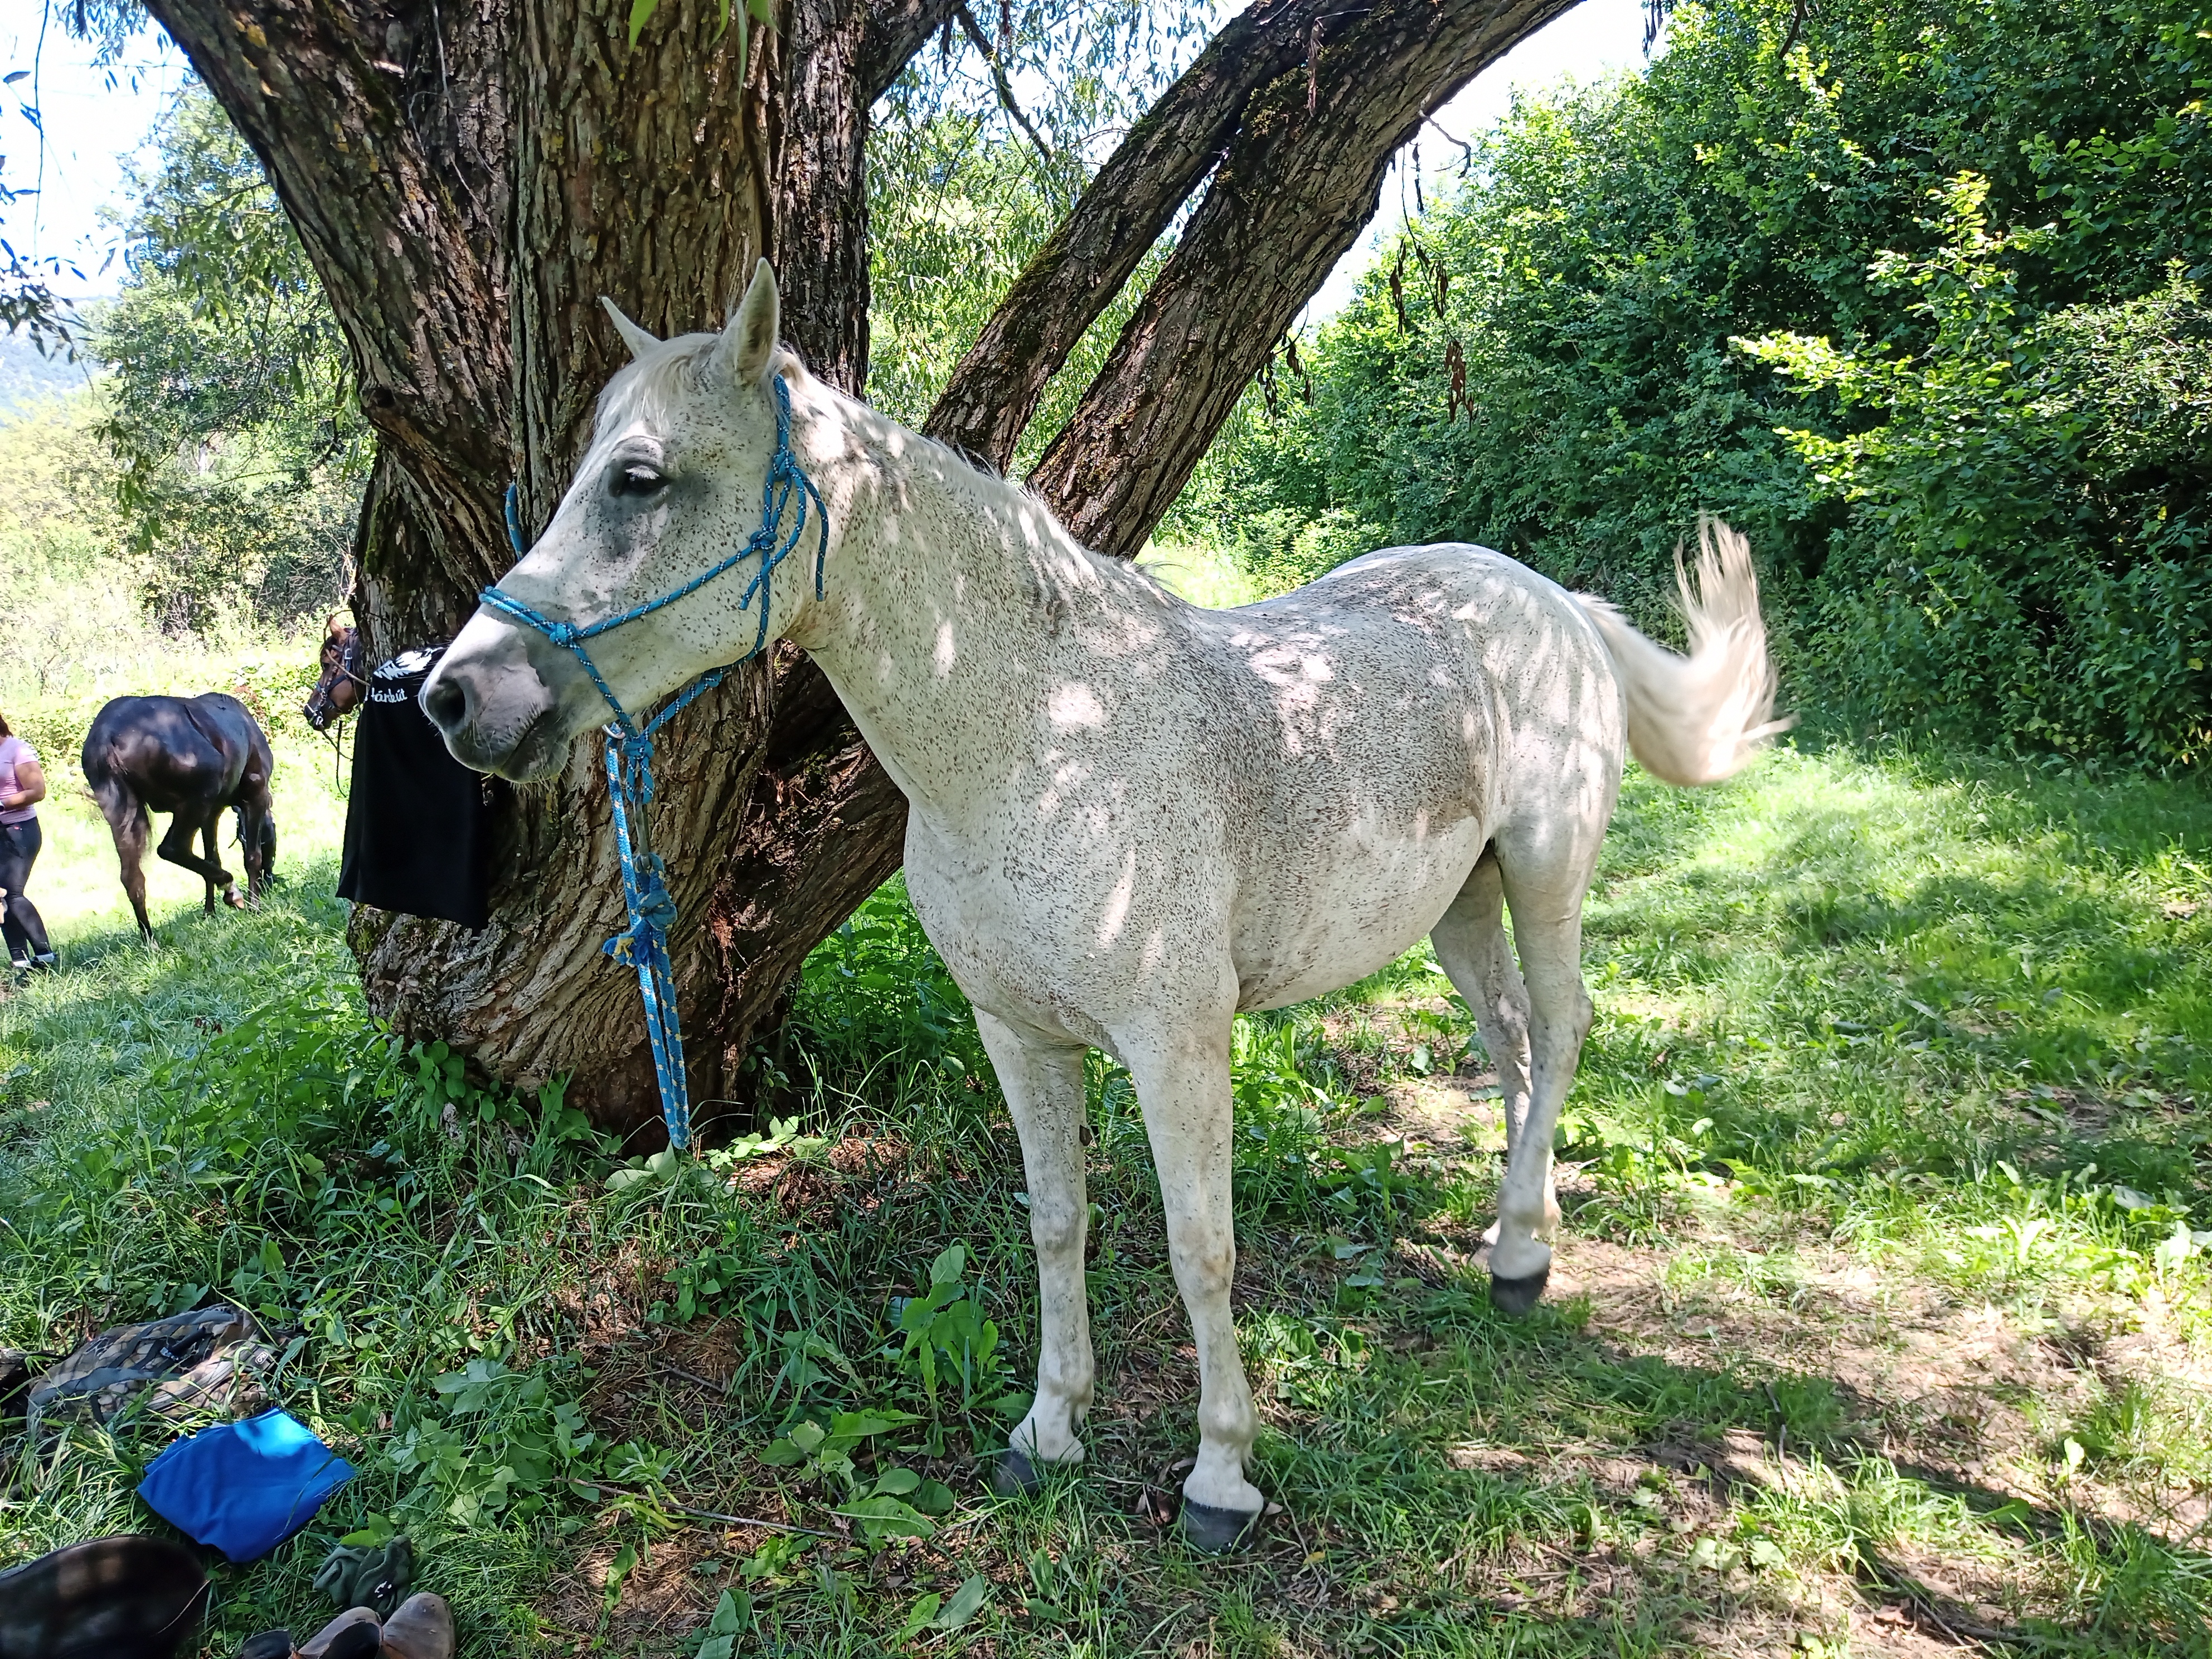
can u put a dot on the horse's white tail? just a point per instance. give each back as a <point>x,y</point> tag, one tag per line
<point>1698,718</point>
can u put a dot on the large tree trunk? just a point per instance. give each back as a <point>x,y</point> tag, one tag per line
<point>469,179</point>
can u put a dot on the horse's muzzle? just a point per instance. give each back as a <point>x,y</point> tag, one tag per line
<point>496,713</point>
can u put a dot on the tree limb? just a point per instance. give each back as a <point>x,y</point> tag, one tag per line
<point>896,30</point>
<point>982,42</point>
<point>383,224</point>
<point>1302,177</point>
<point>1074,276</point>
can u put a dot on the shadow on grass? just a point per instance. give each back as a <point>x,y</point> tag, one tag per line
<point>1578,1487</point>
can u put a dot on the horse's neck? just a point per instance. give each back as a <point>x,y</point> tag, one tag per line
<point>954,603</point>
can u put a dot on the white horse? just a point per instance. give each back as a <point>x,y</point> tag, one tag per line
<point>1131,818</point>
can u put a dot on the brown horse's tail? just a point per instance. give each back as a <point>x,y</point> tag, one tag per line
<point>1698,718</point>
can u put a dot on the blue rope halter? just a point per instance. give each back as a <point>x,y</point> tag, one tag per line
<point>644,944</point>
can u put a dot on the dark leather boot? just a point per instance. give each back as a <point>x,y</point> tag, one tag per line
<point>354,1634</point>
<point>421,1629</point>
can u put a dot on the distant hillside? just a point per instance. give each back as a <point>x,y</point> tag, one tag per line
<point>27,377</point>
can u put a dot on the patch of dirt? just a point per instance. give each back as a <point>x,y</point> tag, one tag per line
<point>1448,1116</point>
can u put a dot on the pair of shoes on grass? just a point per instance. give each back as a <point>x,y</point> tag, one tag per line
<point>423,1628</point>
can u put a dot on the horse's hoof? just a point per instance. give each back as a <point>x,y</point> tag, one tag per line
<point>233,900</point>
<point>1213,1531</point>
<point>1013,1475</point>
<point>1517,1297</point>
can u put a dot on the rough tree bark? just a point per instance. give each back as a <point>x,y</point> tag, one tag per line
<point>469,179</point>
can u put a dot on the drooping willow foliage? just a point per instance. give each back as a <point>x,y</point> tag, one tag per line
<point>977,153</point>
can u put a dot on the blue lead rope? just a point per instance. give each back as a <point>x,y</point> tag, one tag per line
<point>644,944</point>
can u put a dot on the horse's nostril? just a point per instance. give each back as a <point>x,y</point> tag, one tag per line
<point>446,703</point>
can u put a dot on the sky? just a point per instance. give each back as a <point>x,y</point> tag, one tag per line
<point>98,121</point>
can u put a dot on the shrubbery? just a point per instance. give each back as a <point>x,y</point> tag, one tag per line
<point>1907,293</point>
<point>240,449</point>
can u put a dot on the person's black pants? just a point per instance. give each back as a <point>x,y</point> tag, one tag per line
<point>19,920</point>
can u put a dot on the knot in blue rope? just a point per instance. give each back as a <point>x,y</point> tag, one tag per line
<point>649,922</point>
<point>643,945</point>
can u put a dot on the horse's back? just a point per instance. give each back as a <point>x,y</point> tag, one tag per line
<point>168,752</point>
<point>1400,714</point>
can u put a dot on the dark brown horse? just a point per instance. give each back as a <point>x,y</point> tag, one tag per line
<point>191,758</point>
<point>341,685</point>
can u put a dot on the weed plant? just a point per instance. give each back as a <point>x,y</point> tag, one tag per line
<point>1939,1028</point>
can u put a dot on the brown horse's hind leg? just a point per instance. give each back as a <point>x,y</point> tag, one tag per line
<point>177,847</point>
<point>128,821</point>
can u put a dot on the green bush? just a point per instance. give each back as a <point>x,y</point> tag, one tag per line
<point>2024,554</point>
<point>1967,443</point>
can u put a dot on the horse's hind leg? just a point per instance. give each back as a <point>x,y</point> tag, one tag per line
<point>131,836</point>
<point>130,824</point>
<point>1043,1086</point>
<point>177,847</point>
<point>1181,1074</point>
<point>1471,944</point>
<point>1545,881</point>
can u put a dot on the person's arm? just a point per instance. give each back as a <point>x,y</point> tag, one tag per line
<point>30,787</point>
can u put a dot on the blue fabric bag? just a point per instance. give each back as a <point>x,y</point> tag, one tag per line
<point>244,1488</point>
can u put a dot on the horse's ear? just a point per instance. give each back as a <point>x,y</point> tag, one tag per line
<point>336,626</point>
<point>637,339</point>
<point>748,344</point>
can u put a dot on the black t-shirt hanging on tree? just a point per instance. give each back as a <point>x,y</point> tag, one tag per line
<point>418,833</point>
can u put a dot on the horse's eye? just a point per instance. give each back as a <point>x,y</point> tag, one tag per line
<point>637,479</point>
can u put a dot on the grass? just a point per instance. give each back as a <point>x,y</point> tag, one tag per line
<point>1878,1324</point>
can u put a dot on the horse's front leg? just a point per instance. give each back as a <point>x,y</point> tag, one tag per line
<point>212,844</point>
<point>1043,1085</point>
<point>1182,1084</point>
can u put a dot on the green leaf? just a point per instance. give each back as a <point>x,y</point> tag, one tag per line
<point>860,1426</point>
<point>966,1602</point>
<point>887,1517</point>
<point>950,1263</point>
<point>640,13</point>
<point>932,1498</point>
<point>731,1614</point>
<point>897,1483</point>
<point>925,1610</point>
<point>625,1563</point>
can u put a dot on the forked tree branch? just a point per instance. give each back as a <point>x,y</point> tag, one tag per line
<point>1073,277</point>
<point>1304,175</point>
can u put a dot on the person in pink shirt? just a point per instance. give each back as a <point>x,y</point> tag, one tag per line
<point>22,787</point>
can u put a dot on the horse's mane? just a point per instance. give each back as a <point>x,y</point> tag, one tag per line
<point>646,388</point>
